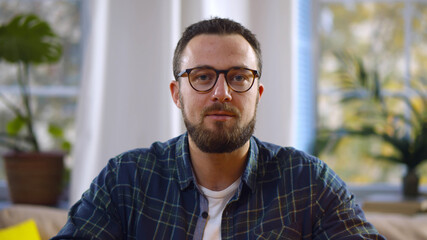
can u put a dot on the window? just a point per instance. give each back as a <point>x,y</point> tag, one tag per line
<point>389,39</point>
<point>54,87</point>
<point>304,68</point>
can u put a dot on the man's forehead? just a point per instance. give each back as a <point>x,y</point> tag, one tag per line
<point>203,40</point>
<point>230,47</point>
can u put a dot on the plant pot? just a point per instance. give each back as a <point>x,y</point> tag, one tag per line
<point>34,178</point>
<point>411,182</point>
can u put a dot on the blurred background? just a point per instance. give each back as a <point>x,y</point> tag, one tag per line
<point>342,78</point>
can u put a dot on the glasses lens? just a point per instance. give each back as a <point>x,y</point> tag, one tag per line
<point>240,79</point>
<point>202,79</point>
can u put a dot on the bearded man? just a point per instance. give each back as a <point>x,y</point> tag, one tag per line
<point>217,181</point>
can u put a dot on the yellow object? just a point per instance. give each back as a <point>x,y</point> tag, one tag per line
<point>26,230</point>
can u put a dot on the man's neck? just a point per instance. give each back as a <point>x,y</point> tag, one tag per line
<point>217,171</point>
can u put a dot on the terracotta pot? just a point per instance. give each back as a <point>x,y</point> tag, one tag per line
<point>34,178</point>
<point>411,181</point>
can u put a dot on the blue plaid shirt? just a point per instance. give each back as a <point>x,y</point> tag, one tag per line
<point>152,194</point>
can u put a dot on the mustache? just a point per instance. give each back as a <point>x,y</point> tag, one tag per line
<point>221,107</point>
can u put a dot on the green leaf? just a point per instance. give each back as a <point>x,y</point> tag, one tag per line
<point>14,127</point>
<point>56,131</point>
<point>28,39</point>
<point>66,146</point>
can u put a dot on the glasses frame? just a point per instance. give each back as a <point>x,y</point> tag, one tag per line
<point>218,72</point>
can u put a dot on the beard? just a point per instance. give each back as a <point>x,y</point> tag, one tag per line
<point>223,139</point>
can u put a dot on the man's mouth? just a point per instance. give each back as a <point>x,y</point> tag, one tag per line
<point>220,112</point>
<point>220,115</point>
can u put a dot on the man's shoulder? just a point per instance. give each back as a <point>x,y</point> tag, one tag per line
<point>271,151</point>
<point>158,152</point>
<point>295,166</point>
<point>289,161</point>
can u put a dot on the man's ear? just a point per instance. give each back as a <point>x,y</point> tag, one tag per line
<point>174,88</point>
<point>260,90</point>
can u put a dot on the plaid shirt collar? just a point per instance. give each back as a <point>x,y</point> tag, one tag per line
<point>186,177</point>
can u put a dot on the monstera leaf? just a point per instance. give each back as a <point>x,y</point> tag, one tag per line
<point>28,39</point>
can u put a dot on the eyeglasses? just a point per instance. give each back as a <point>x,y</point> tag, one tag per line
<point>203,79</point>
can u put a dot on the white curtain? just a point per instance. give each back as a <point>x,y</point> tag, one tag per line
<point>124,101</point>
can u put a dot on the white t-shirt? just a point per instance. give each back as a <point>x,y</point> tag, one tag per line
<point>217,202</point>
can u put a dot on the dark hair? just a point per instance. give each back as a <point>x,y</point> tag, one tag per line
<point>220,26</point>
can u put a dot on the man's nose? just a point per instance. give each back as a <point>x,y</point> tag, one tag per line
<point>221,91</point>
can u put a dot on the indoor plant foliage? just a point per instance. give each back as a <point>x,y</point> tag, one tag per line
<point>397,119</point>
<point>27,41</point>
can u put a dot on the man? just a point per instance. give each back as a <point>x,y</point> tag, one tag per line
<point>217,181</point>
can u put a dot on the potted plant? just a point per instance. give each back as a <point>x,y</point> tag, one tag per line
<point>398,120</point>
<point>33,176</point>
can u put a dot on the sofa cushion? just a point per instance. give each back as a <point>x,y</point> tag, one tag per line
<point>26,230</point>
<point>49,220</point>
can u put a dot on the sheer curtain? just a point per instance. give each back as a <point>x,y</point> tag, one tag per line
<point>125,102</point>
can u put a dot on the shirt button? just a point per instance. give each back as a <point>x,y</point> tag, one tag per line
<point>205,215</point>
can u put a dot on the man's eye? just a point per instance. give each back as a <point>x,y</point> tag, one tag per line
<point>239,78</point>
<point>203,77</point>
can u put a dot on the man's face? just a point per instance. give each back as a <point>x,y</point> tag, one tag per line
<point>220,120</point>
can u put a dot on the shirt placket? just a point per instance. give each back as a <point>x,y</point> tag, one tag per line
<point>202,219</point>
<point>227,226</point>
